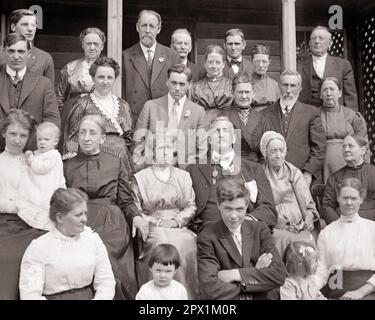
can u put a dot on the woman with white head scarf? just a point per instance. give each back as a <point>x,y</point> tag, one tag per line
<point>294,204</point>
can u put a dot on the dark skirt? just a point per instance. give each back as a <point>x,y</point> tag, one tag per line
<point>109,222</point>
<point>341,281</point>
<point>15,237</point>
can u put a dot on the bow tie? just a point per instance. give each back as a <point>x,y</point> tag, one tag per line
<point>233,62</point>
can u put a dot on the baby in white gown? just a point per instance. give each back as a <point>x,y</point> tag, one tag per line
<point>44,174</point>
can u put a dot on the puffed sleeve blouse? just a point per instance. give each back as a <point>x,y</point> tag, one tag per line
<point>55,263</point>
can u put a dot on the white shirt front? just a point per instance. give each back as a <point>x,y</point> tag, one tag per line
<point>289,104</point>
<point>12,73</point>
<point>145,50</point>
<point>235,67</point>
<point>225,160</point>
<point>319,64</point>
<point>237,237</point>
<point>181,103</point>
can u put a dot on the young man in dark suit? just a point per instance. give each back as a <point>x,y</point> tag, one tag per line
<point>23,89</point>
<point>234,45</point>
<point>237,258</point>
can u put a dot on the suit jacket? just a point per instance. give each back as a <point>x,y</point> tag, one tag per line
<point>193,118</point>
<point>264,207</point>
<point>251,134</point>
<point>335,67</point>
<point>246,66</point>
<point>37,97</point>
<point>40,62</point>
<point>135,78</point>
<point>196,70</point>
<point>305,140</point>
<point>217,251</point>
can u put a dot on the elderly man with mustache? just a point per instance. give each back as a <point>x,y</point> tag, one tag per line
<point>145,64</point>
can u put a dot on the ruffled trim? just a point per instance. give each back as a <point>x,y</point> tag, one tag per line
<point>110,117</point>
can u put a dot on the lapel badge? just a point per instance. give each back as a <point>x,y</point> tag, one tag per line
<point>187,113</point>
<point>161,59</point>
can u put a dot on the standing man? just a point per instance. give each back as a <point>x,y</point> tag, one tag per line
<point>300,125</point>
<point>176,113</point>
<point>145,64</point>
<point>234,44</point>
<point>24,22</point>
<point>181,42</point>
<point>23,89</point>
<point>237,258</point>
<point>321,65</point>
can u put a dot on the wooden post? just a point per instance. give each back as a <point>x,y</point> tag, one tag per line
<point>114,37</point>
<point>3,30</point>
<point>289,35</point>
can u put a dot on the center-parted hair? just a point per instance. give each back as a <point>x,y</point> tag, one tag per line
<point>64,200</point>
<point>96,118</point>
<point>180,68</point>
<point>300,256</point>
<point>229,189</point>
<point>241,77</point>
<point>89,30</point>
<point>260,48</point>
<point>352,183</point>
<point>165,254</point>
<point>18,116</point>
<point>104,62</point>
<point>213,48</point>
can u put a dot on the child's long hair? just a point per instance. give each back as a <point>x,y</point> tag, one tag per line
<point>165,254</point>
<point>300,255</point>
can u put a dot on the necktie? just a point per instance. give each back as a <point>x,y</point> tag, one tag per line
<point>237,241</point>
<point>16,79</point>
<point>173,117</point>
<point>286,110</point>
<point>149,57</point>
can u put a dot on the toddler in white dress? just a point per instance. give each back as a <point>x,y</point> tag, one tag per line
<point>44,174</point>
<point>164,261</point>
<point>300,261</point>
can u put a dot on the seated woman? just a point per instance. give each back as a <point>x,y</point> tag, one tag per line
<point>166,198</point>
<point>214,91</point>
<point>266,89</point>
<point>251,123</point>
<point>114,110</point>
<point>354,150</point>
<point>347,248</point>
<point>15,233</point>
<point>104,178</point>
<point>338,121</point>
<point>62,264</point>
<point>294,204</point>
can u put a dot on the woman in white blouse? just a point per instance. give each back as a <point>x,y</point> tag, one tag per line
<point>70,261</point>
<point>346,265</point>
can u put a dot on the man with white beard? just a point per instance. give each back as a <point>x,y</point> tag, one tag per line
<point>301,126</point>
